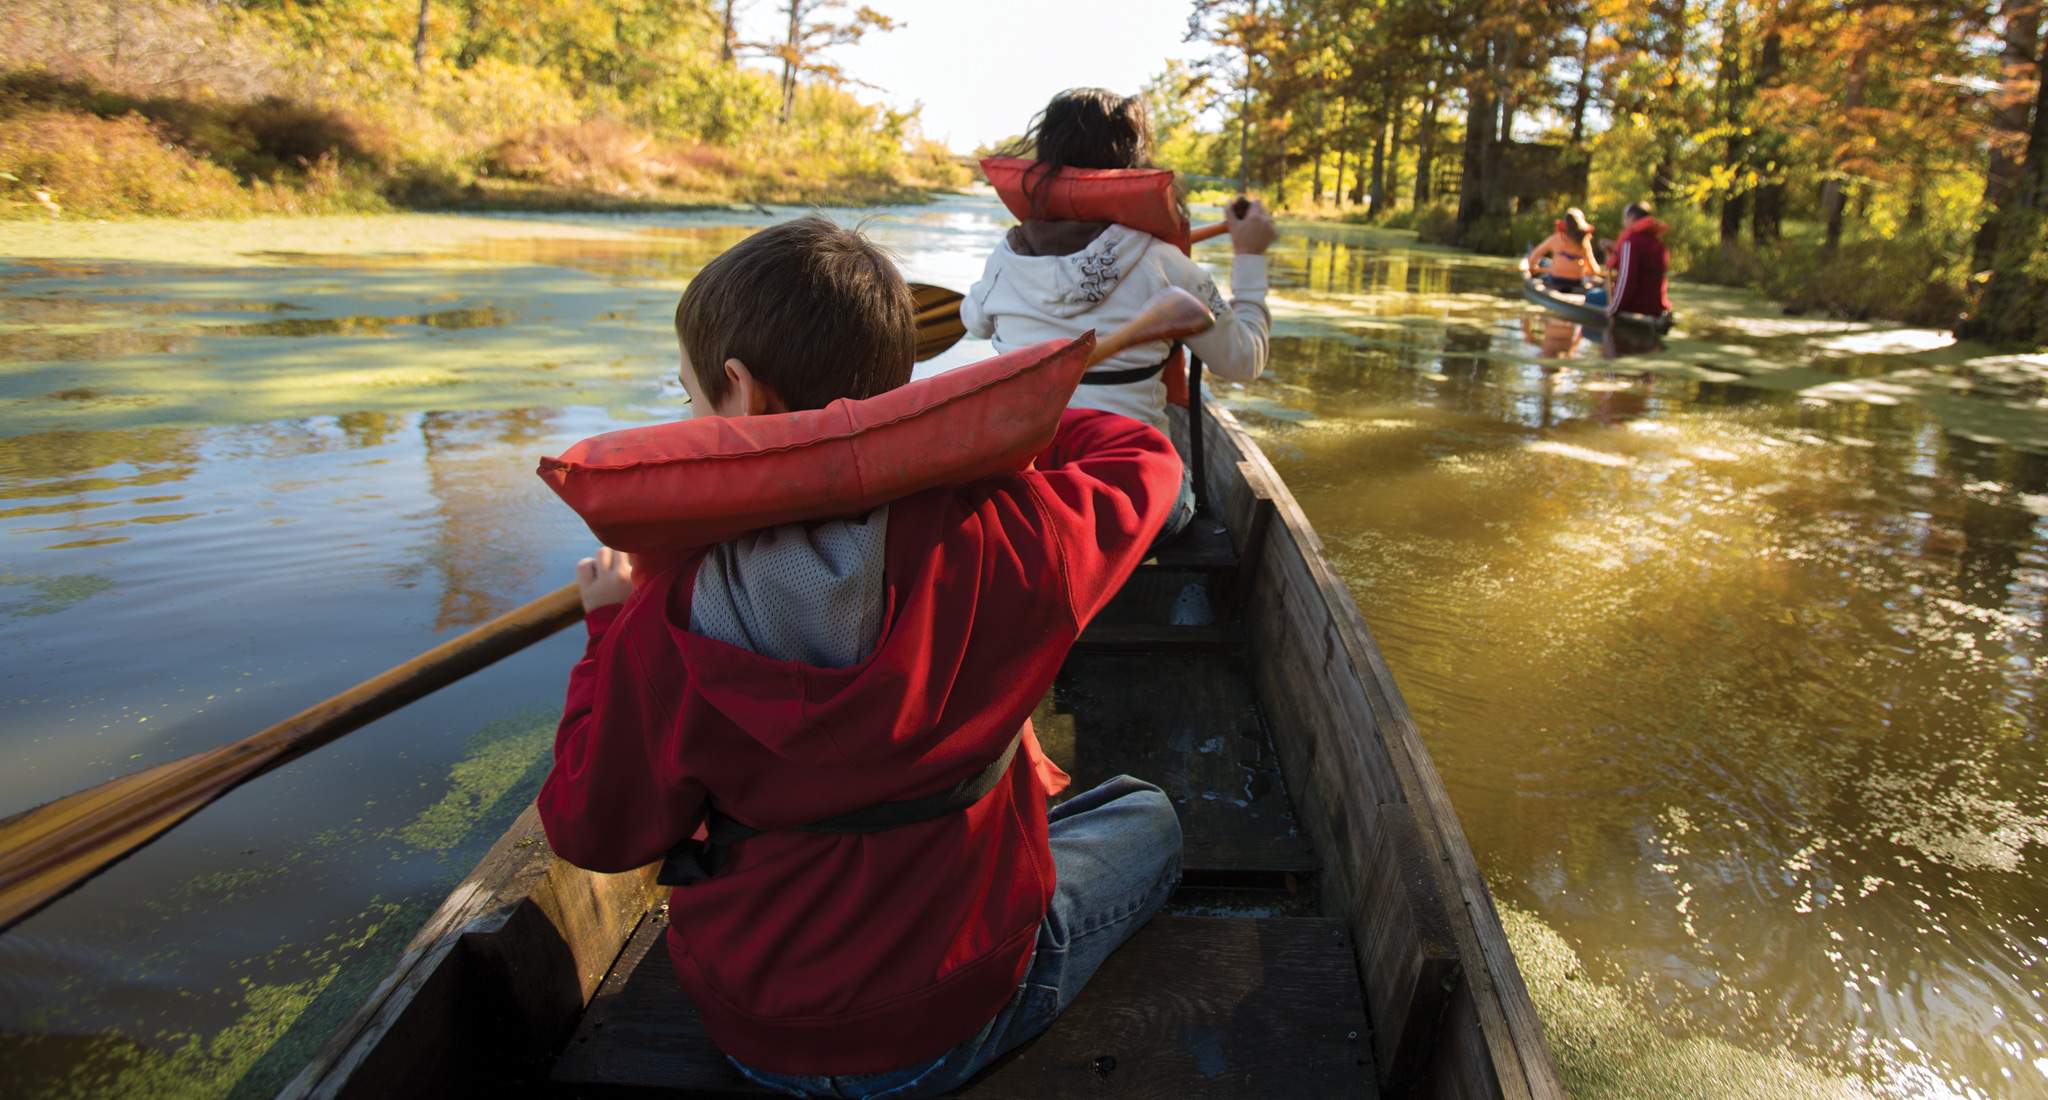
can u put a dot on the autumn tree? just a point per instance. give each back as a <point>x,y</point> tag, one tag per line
<point>812,31</point>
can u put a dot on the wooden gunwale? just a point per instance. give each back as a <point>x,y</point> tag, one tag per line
<point>1346,707</point>
<point>494,982</point>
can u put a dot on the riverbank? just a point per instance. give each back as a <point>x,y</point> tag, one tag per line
<point>75,149</point>
<point>183,110</point>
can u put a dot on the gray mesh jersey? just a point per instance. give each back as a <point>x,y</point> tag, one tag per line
<point>804,592</point>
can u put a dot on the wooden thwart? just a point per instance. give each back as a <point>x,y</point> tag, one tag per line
<point>1190,1007</point>
<point>1202,547</point>
<point>1152,638</point>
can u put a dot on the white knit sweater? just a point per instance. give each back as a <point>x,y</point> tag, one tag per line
<point>1022,300</point>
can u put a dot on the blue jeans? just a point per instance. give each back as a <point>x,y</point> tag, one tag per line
<point>1116,852</point>
<point>1597,296</point>
<point>1183,511</point>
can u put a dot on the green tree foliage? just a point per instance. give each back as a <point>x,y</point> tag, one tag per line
<point>1858,156</point>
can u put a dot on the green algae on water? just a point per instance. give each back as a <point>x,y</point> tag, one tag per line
<point>1608,1045</point>
<point>49,594</point>
<point>502,762</point>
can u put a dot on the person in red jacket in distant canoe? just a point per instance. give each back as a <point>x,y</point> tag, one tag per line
<point>864,666</point>
<point>1640,267</point>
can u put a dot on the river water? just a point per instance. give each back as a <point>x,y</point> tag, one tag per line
<point>1731,659</point>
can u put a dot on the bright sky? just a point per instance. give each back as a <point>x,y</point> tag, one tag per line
<point>982,68</point>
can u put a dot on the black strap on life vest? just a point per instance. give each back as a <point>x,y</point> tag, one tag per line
<point>1129,374</point>
<point>693,861</point>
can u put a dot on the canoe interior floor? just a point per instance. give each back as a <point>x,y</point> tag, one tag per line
<point>1237,990</point>
<point>1190,1007</point>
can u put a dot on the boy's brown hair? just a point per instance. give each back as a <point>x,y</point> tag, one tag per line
<point>816,311</point>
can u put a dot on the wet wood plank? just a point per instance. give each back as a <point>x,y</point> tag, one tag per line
<point>1201,547</point>
<point>1191,724</point>
<point>1191,1007</point>
<point>1104,637</point>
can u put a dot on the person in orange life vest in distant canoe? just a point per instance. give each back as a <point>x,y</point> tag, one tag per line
<point>1641,267</point>
<point>1061,277</point>
<point>1570,249</point>
<point>871,660</point>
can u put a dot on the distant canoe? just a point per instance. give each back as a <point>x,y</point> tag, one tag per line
<point>1573,307</point>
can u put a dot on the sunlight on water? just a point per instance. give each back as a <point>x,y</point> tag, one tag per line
<point>1732,662</point>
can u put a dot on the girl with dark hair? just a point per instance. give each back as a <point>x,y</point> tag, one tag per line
<point>1057,277</point>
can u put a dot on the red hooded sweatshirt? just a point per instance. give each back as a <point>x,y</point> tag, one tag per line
<point>1641,268</point>
<point>846,954</point>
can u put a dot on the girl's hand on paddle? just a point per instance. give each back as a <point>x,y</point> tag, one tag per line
<point>605,579</point>
<point>1251,234</point>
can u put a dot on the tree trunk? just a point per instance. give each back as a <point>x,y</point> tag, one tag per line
<point>1316,180</point>
<point>1665,179</point>
<point>1494,154</point>
<point>1394,151</point>
<point>1767,209</point>
<point>1479,119</point>
<point>725,47</point>
<point>1425,149</point>
<point>1735,107</point>
<point>789,57</point>
<point>1583,90</point>
<point>2009,123</point>
<point>1834,195</point>
<point>1343,149</point>
<point>1377,196</point>
<point>419,39</point>
<point>2013,302</point>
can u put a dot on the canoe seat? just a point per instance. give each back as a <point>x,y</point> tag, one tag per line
<point>1191,1007</point>
<point>1203,546</point>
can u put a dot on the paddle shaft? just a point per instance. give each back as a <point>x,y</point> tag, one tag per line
<point>54,848</point>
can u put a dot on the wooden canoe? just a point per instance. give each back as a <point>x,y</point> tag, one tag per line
<point>1332,936</point>
<point>1573,308</point>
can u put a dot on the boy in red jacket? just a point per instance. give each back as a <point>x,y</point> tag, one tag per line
<point>878,673</point>
<point>1641,265</point>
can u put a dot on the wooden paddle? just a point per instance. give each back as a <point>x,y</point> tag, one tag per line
<point>48,851</point>
<point>938,319</point>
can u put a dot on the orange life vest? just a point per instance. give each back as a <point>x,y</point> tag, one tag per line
<point>1142,198</point>
<point>670,488</point>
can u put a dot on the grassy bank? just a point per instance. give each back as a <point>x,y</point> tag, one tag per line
<point>175,108</point>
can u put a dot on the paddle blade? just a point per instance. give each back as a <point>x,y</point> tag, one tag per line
<point>938,319</point>
<point>52,849</point>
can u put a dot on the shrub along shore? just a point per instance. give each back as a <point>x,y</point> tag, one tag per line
<point>134,108</point>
